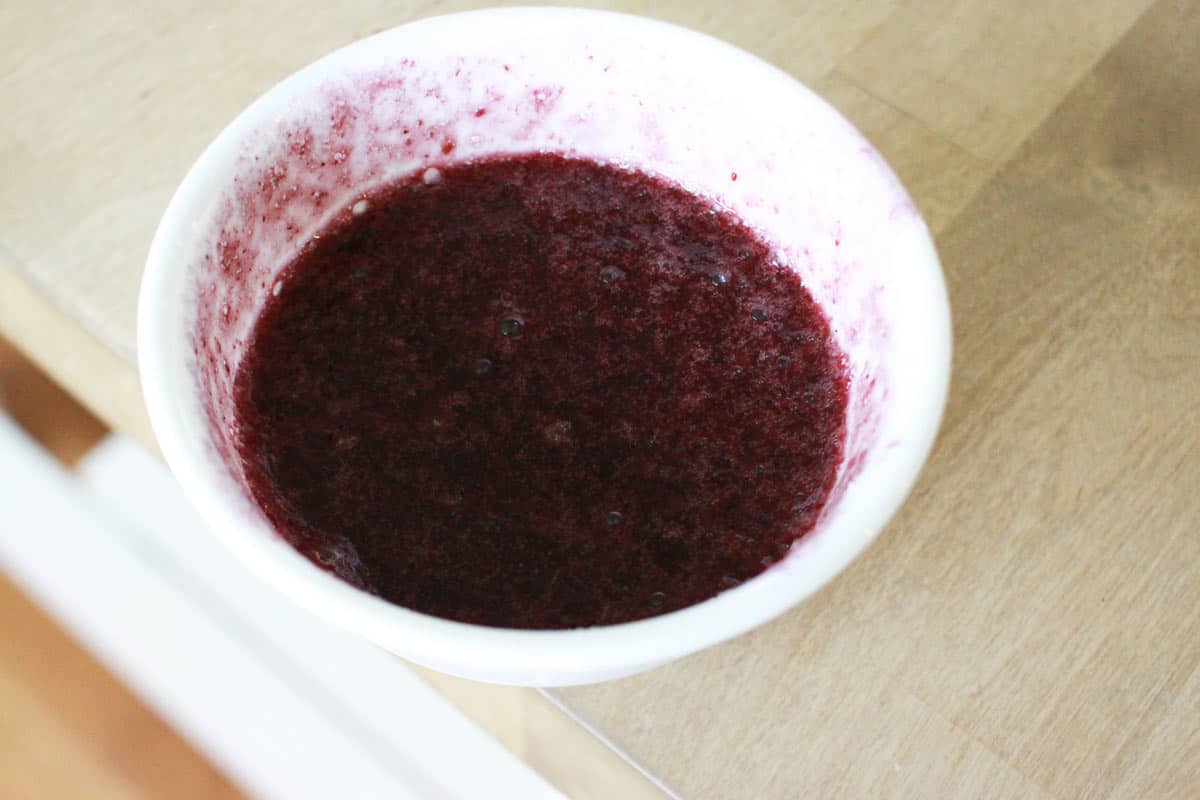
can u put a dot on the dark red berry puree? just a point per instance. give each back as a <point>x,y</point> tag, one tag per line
<point>540,392</point>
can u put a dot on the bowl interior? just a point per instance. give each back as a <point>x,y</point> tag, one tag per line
<point>608,87</point>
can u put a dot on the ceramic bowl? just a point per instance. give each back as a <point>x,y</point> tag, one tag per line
<point>610,87</point>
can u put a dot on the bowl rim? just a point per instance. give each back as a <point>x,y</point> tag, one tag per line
<point>514,655</point>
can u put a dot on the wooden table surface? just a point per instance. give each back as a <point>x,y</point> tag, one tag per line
<point>1029,624</point>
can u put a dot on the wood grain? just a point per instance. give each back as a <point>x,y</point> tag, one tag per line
<point>1026,626</point>
<point>984,74</point>
<point>1038,596</point>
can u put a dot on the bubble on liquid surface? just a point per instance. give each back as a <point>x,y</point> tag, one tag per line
<point>360,208</point>
<point>483,366</point>
<point>759,312</point>
<point>614,518</point>
<point>512,326</point>
<point>611,274</point>
<point>720,278</point>
<point>335,556</point>
<point>277,288</point>
<point>431,176</point>
<point>341,559</point>
<point>658,600</point>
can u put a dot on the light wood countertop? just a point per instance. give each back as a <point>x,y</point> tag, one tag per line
<point>1029,624</point>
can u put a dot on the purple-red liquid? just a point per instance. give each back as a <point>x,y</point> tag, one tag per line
<point>540,392</point>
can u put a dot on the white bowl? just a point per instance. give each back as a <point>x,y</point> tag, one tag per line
<point>617,88</point>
